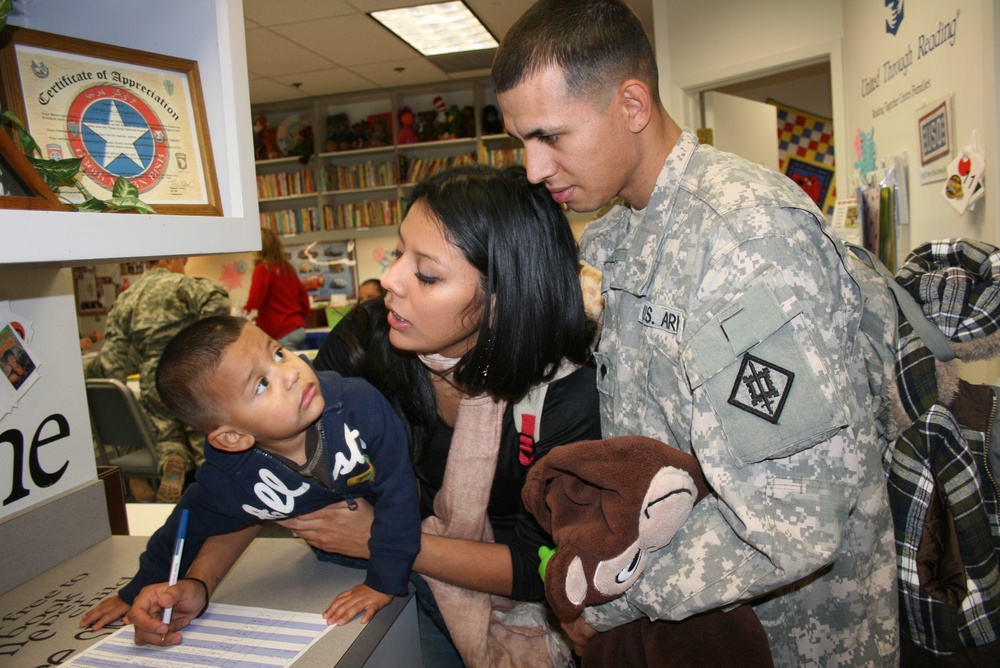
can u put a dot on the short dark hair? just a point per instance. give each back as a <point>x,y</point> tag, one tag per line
<point>187,363</point>
<point>597,43</point>
<point>519,240</point>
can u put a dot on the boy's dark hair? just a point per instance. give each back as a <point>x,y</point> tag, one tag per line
<point>597,43</point>
<point>373,281</point>
<point>188,361</point>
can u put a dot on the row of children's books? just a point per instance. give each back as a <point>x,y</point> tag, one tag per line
<point>285,184</point>
<point>418,169</point>
<point>360,175</point>
<point>501,157</point>
<point>370,213</point>
<point>291,221</point>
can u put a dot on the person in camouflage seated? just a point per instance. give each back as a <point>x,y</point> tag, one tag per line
<point>139,325</point>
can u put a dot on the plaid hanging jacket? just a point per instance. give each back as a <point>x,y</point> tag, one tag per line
<point>942,491</point>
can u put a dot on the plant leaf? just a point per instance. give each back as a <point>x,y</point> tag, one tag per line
<point>124,188</point>
<point>27,142</point>
<point>91,204</point>
<point>58,172</point>
<point>6,6</point>
<point>128,204</point>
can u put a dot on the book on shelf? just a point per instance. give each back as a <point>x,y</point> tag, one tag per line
<point>370,213</point>
<point>291,221</point>
<point>285,184</point>
<point>501,157</point>
<point>418,169</point>
<point>359,176</point>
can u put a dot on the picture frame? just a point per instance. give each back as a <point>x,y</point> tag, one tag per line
<point>934,131</point>
<point>21,187</point>
<point>124,112</point>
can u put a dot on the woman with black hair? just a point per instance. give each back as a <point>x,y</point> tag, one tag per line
<point>483,299</point>
<point>483,308</point>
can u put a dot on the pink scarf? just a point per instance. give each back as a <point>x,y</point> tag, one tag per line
<point>488,630</point>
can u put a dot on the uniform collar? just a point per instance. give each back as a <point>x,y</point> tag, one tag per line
<point>637,253</point>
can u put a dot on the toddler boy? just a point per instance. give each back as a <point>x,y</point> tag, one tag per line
<point>286,440</point>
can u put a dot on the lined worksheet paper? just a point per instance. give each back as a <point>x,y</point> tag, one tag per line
<point>226,635</point>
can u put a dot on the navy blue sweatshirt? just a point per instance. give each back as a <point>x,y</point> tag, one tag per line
<point>358,429</point>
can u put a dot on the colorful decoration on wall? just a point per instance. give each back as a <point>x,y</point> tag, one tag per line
<point>18,365</point>
<point>864,152</point>
<point>231,276</point>
<point>383,258</point>
<point>806,153</point>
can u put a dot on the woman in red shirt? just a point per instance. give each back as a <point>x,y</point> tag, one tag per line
<point>276,295</point>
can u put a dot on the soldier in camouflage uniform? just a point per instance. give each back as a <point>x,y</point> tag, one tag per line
<point>730,331</point>
<point>143,319</point>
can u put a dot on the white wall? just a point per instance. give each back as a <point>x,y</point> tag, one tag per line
<point>718,42</point>
<point>713,43</point>
<point>889,104</point>
<point>958,67</point>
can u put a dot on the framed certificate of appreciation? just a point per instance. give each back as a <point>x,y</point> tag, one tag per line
<point>123,112</point>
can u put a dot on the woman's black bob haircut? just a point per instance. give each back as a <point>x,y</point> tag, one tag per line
<point>519,240</point>
<point>531,303</point>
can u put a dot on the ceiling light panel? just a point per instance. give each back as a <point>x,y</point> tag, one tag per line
<point>434,29</point>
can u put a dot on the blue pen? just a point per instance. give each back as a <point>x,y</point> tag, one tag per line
<point>175,565</point>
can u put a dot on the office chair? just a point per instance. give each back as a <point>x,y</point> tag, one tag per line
<point>121,431</point>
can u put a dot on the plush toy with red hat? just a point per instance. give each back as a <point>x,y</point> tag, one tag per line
<point>607,505</point>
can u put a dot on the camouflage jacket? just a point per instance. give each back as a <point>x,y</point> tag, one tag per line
<point>141,323</point>
<point>730,331</point>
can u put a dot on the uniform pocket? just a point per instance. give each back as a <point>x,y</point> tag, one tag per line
<point>605,373</point>
<point>759,368</point>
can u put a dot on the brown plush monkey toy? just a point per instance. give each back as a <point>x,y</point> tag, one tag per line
<point>608,504</point>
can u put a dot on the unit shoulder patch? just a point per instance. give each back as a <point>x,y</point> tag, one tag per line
<point>761,388</point>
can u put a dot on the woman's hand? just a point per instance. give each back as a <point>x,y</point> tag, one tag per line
<point>336,528</point>
<point>579,632</point>
<point>187,598</point>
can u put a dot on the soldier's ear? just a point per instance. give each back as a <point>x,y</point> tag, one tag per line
<point>637,104</point>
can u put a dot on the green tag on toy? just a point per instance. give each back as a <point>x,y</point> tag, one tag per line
<point>545,553</point>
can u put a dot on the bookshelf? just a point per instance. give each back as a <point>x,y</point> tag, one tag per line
<point>365,160</point>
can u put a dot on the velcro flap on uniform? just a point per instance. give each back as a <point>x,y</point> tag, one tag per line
<point>749,319</point>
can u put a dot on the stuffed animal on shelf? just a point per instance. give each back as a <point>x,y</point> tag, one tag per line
<point>378,130</point>
<point>492,123</point>
<point>265,140</point>
<point>359,134</point>
<point>407,132</point>
<point>453,128</point>
<point>338,132</point>
<point>607,505</point>
<point>428,126</point>
<point>467,122</point>
<point>440,118</point>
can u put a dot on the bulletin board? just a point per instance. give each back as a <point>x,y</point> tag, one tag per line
<point>327,269</point>
<point>97,287</point>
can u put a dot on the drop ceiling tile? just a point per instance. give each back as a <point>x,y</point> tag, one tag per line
<point>328,82</point>
<point>269,54</point>
<point>270,13</point>
<point>359,40</point>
